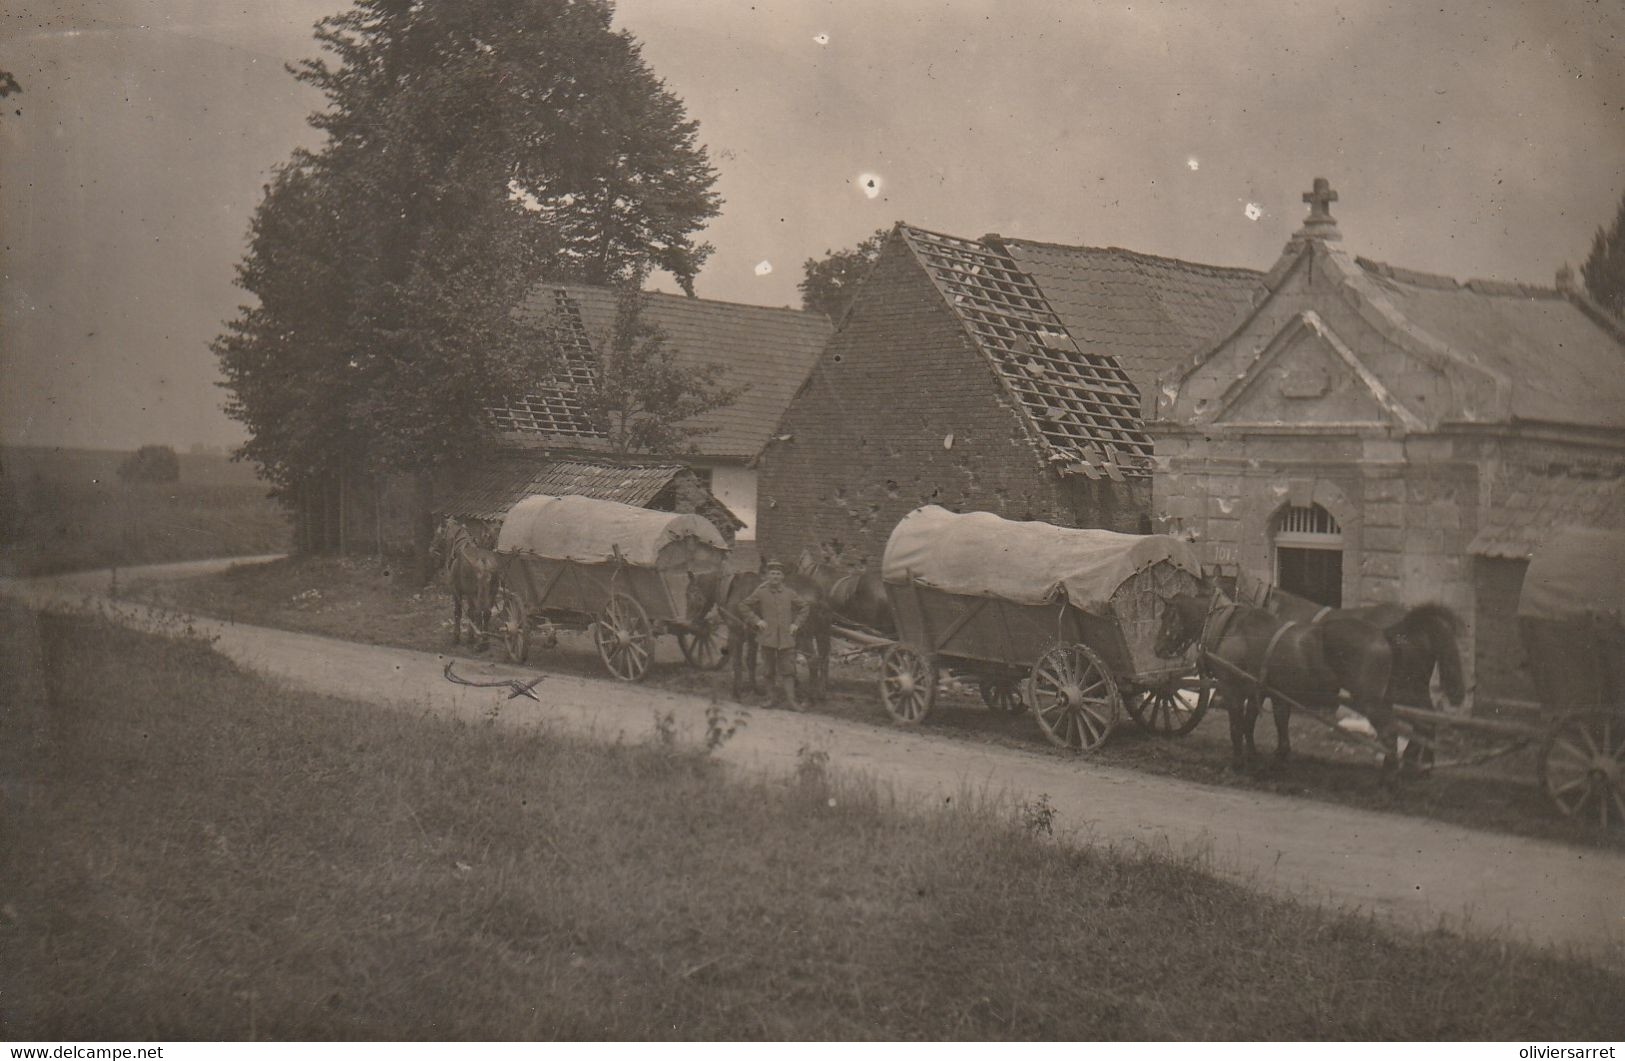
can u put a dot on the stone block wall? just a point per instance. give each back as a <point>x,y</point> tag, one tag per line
<point>1406,524</point>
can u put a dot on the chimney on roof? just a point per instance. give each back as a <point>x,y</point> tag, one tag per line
<point>1320,224</point>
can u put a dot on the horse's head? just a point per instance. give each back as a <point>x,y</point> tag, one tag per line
<point>1181,625</point>
<point>441,539</point>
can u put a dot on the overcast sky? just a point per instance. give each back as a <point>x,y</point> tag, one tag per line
<point>1476,139</point>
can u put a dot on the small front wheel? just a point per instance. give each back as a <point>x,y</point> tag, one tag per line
<point>1174,708</point>
<point>1002,696</point>
<point>908,684</point>
<point>705,645</point>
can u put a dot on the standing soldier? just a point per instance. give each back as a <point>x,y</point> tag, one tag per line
<point>778,612</point>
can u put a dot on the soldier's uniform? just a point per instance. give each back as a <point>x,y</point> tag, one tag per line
<point>778,612</point>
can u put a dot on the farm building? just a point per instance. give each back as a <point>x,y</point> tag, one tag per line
<point>996,374</point>
<point>487,492</point>
<point>546,441</point>
<point>1369,433</point>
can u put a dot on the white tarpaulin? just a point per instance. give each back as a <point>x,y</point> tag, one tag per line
<point>980,554</point>
<point>1579,571</point>
<point>590,531</point>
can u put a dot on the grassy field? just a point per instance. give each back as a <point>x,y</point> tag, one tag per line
<point>65,510</point>
<point>367,601</point>
<point>208,855</point>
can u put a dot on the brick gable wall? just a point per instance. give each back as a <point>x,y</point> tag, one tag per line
<point>869,434</point>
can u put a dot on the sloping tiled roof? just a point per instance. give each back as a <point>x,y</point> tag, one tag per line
<point>1563,365</point>
<point>1080,403</point>
<point>767,350</point>
<point>489,489</point>
<point>1152,314</point>
<point>1528,501</point>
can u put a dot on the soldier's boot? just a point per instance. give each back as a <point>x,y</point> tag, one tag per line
<point>774,689</point>
<point>790,694</point>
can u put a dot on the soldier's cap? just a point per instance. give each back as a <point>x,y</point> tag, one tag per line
<point>774,565</point>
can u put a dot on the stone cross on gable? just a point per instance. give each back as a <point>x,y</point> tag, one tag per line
<point>1320,200</point>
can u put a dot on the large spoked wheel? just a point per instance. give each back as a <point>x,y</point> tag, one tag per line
<point>508,623</point>
<point>1002,696</point>
<point>1074,697</point>
<point>705,646</point>
<point>625,638</point>
<point>1174,708</point>
<point>1582,766</point>
<point>908,684</point>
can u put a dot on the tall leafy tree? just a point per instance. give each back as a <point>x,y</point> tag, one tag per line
<point>643,396</point>
<point>472,148</point>
<point>1604,269</point>
<point>828,283</point>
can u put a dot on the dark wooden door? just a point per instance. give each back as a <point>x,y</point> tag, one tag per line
<point>1315,574</point>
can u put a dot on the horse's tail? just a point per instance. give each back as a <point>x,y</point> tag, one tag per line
<point>1441,628</point>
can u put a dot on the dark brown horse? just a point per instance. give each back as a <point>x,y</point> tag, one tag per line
<point>1254,654</point>
<point>471,571</point>
<point>1424,638</point>
<point>859,597</point>
<point>814,638</point>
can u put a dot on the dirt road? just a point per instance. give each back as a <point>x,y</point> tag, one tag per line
<point>1416,873</point>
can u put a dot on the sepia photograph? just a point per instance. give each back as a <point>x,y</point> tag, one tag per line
<point>633,521</point>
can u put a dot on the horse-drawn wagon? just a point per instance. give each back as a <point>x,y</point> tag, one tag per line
<point>1572,618</point>
<point>1056,619</point>
<point>625,574</point>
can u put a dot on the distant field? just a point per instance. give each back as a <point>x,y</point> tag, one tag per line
<point>210,855</point>
<point>65,509</point>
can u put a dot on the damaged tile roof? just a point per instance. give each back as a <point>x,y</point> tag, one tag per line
<point>1565,363</point>
<point>765,349</point>
<point>487,490</point>
<point>1081,404</point>
<point>1152,314</point>
<point>1528,501</point>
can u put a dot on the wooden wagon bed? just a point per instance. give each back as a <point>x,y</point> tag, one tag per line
<point>1059,619</point>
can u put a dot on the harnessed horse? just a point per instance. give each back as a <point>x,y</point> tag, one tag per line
<point>859,597</point>
<point>471,571</point>
<point>1258,654</point>
<point>1423,638</point>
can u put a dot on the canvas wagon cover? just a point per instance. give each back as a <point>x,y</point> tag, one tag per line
<point>1578,573</point>
<point>587,530</point>
<point>980,554</point>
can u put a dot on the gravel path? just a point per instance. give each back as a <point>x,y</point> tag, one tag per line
<point>1416,873</point>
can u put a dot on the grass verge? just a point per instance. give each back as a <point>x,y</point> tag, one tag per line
<point>191,852</point>
<point>367,601</point>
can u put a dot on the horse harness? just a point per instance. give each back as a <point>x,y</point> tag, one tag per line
<point>1208,643</point>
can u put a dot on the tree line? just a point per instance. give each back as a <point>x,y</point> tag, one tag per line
<point>470,152</point>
